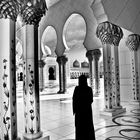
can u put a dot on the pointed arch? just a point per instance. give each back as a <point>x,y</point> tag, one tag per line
<point>49,41</point>
<point>74,30</point>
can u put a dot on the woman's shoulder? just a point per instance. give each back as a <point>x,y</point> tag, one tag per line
<point>76,87</point>
<point>89,87</point>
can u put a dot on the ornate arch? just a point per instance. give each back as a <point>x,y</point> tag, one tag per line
<point>66,24</point>
<point>45,46</point>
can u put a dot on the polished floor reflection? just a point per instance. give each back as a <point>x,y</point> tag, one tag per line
<point>57,119</point>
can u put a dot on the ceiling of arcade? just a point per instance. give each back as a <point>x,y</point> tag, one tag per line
<point>125,14</point>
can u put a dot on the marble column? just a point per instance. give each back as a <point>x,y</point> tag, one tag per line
<point>110,36</point>
<point>115,68</point>
<point>8,104</point>
<point>31,13</point>
<point>41,79</point>
<point>62,74</point>
<point>93,57</point>
<point>133,43</point>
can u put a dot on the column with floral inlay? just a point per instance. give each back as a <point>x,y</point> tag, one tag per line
<point>62,73</point>
<point>8,106</point>
<point>110,35</point>
<point>31,13</point>
<point>133,43</point>
<point>93,57</point>
<point>118,34</point>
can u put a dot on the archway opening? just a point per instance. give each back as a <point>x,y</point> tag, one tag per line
<point>19,61</point>
<point>48,42</point>
<point>74,33</point>
<point>48,46</point>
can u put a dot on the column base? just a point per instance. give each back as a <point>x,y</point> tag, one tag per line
<point>41,89</point>
<point>32,136</point>
<point>61,92</point>
<point>117,107</point>
<point>45,138</point>
<point>18,138</point>
<point>113,112</point>
<point>96,94</point>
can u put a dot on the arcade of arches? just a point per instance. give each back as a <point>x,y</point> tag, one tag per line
<point>50,43</point>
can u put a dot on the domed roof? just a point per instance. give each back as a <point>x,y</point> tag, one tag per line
<point>84,64</point>
<point>76,64</point>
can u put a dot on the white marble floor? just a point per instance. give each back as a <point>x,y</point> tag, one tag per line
<point>57,119</point>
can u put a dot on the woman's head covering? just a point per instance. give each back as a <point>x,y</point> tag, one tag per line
<point>82,80</point>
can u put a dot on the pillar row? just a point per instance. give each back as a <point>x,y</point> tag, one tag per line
<point>8,103</point>
<point>110,36</point>
<point>93,57</point>
<point>133,43</point>
<point>62,74</point>
<point>31,13</point>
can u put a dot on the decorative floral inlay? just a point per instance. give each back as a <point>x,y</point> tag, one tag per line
<point>115,79</point>
<point>31,93</point>
<point>135,80</point>
<point>13,110</point>
<point>107,83</point>
<point>6,104</point>
<point>25,95</point>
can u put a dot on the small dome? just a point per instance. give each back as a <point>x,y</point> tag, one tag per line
<point>76,64</point>
<point>84,64</point>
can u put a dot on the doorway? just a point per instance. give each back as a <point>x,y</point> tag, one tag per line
<point>52,73</point>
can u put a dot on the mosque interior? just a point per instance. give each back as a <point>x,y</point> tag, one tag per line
<point>45,45</point>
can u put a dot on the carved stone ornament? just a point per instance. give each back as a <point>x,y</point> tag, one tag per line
<point>109,33</point>
<point>32,11</point>
<point>133,42</point>
<point>9,9</point>
<point>96,53</point>
<point>41,63</point>
<point>62,59</point>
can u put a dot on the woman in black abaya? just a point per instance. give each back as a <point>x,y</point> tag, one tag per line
<point>82,109</point>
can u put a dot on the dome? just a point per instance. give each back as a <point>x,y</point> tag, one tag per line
<point>84,64</point>
<point>76,64</point>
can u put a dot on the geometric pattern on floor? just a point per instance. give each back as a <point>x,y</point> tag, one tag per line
<point>127,127</point>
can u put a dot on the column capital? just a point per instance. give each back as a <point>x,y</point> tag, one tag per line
<point>133,42</point>
<point>41,63</point>
<point>32,11</point>
<point>62,59</point>
<point>96,53</point>
<point>9,9</point>
<point>109,33</point>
